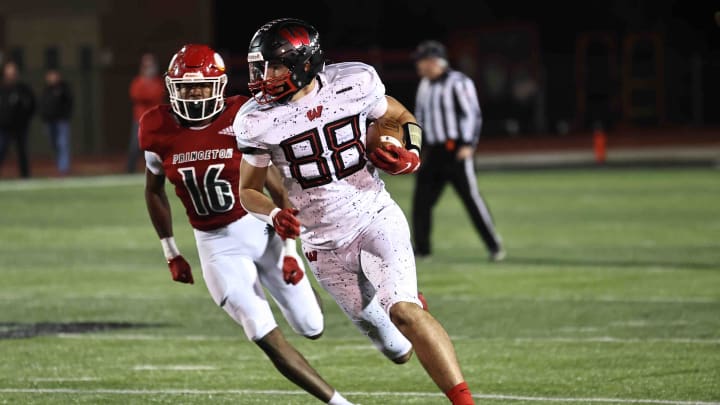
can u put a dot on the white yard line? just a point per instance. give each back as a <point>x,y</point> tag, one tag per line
<point>604,299</point>
<point>349,394</point>
<point>71,182</point>
<point>14,295</point>
<point>178,367</point>
<point>592,400</point>
<point>590,339</point>
<point>62,379</point>
<point>610,339</point>
<point>138,336</point>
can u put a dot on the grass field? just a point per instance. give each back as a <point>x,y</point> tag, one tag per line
<point>610,294</point>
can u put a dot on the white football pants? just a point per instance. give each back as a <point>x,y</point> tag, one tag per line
<point>370,274</point>
<point>238,261</point>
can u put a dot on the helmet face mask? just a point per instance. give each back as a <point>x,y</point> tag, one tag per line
<point>267,87</point>
<point>196,82</point>
<point>287,42</point>
<point>193,105</point>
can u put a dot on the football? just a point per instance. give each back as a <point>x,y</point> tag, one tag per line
<point>382,132</point>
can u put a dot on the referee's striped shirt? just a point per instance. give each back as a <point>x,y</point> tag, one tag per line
<point>448,109</point>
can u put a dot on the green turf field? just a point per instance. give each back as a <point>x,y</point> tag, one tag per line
<point>610,293</point>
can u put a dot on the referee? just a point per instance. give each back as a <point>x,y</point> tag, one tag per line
<point>447,107</point>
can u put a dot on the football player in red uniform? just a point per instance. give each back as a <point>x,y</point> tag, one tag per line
<point>191,143</point>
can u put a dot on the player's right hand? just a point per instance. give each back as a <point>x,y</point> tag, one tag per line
<point>180,270</point>
<point>395,160</point>
<point>286,224</point>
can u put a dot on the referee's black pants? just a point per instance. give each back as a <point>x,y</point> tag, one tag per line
<point>439,166</point>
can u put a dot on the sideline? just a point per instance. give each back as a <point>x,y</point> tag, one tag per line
<point>72,182</point>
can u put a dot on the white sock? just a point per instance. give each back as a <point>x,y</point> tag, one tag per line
<point>338,399</point>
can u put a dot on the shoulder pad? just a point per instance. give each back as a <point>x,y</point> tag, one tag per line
<point>152,122</point>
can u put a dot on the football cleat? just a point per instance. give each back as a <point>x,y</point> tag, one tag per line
<point>498,255</point>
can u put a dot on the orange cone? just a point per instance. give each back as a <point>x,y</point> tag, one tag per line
<point>600,146</point>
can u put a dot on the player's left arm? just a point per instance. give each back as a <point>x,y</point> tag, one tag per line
<point>395,159</point>
<point>158,207</point>
<point>413,132</point>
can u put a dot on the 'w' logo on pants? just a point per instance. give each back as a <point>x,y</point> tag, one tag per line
<point>311,256</point>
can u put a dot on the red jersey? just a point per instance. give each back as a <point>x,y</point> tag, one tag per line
<point>203,164</point>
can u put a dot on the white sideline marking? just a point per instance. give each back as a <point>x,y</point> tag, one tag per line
<point>72,182</point>
<point>179,367</point>
<point>595,339</point>
<point>641,323</point>
<point>138,336</point>
<point>61,379</point>
<point>355,393</point>
<point>610,339</point>
<point>603,298</point>
<point>591,400</point>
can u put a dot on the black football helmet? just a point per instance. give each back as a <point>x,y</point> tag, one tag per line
<point>288,41</point>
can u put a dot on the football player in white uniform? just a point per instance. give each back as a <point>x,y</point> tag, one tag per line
<point>310,121</point>
<point>188,143</point>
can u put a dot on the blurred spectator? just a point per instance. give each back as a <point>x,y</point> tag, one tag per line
<point>147,90</point>
<point>447,107</point>
<point>17,106</point>
<point>56,104</point>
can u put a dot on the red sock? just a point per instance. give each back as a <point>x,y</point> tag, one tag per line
<point>460,395</point>
<point>421,297</point>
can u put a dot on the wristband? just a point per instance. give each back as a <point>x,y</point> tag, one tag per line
<point>290,247</point>
<point>413,136</point>
<point>268,219</point>
<point>169,247</point>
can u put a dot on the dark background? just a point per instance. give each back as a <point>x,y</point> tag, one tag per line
<point>548,73</point>
<point>400,24</point>
<point>534,42</point>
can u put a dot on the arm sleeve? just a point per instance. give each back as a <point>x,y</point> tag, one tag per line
<point>378,109</point>
<point>246,142</point>
<point>154,163</point>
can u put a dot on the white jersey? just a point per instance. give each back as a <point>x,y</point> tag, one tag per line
<point>318,143</point>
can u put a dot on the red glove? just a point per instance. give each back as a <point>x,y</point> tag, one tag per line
<point>292,263</point>
<point>292,273</point>
<point>180,270</point>
<point>286,224</point>
<point>395,160</point>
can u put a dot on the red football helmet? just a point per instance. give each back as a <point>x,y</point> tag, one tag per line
<point>196,82</point>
